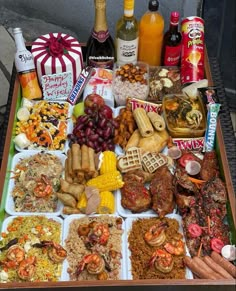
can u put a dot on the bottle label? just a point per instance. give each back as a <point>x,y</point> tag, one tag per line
<point>127,51</point>
<point>100,36</point>
<point>172,55</point>
<point>24,61</point>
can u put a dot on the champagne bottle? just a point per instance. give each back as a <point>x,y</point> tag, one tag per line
<point>127,33</point>
<point>172,42</point>
<point>25,67</point>
<point>100,46</point>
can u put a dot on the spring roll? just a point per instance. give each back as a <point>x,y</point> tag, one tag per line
<point>74,189</point>
<point>70,210</point>
<point>84,158</point>
<point>67,199</point>
<point>69,157</point>
<point>68,178</point>
<point>76,157</point>
<point>91,161</point>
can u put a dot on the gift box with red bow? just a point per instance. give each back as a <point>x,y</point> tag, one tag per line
<point>56,53</point>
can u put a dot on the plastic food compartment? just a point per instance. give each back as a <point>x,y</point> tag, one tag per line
<point>128,226</point>
<point>10,206</point>
<point>163,80</point>
<point>49,234</point>
<point>68,220</point>
<point>130,80</point>
<point>69,129</point>
<point>184,117</point>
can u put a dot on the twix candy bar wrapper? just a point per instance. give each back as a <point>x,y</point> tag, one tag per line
<point>147,106</point>
<point>213,110</point>
<point>193,144</point>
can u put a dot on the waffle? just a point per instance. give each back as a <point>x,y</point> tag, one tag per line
<point>152,161</point>
<point>130,161</point>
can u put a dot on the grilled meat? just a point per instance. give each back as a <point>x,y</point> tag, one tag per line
<point>209,167</point>
<point>135,197</point>
<point>161,188</point>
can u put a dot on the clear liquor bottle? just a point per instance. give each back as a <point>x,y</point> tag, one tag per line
<point>127,33</point>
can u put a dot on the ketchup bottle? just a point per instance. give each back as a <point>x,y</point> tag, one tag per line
<point>172,42</point>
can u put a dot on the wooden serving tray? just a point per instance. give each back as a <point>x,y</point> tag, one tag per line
<point>194,284</point>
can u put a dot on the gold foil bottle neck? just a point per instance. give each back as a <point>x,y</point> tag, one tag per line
<point>100,4</point>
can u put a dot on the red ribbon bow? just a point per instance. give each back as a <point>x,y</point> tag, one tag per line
<point>57,46</point>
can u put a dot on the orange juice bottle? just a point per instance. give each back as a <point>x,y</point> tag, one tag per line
<point>26,68</point>
<point>151,29</point>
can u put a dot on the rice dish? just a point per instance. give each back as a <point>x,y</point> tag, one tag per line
<point>37,179</point>
<point>157,249</point>
<point>27,231</point>
<point>92,239</point>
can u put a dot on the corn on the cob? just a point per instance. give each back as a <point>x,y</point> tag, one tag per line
<point>107,203</point>
<point>108,162</point>
<point>143,122</point>
<point>82,204</point>
<point>107,182</point>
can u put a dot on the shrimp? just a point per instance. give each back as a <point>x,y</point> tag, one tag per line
<point>156,236</point>
<point>15,253</point>
<point>175,247</point>
<point>27,268</point>
<point>102,232</point>
<point>43,188</point>
<point>55,251</point>
<point>163,261</point>
<point>95,264</point>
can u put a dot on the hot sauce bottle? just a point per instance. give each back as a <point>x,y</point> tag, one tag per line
<point>172,42</point>
<point>25,67</point>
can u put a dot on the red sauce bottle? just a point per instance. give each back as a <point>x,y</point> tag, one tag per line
<point>172,42</point>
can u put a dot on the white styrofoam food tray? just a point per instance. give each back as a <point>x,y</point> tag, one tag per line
<point>69,130</point>
<point>127,213</point>
<point>9,219</point>
<point>10,205</point>
<point>67,222</point>
<point>128,227</point>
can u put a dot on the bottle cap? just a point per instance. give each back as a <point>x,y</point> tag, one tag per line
<point>174,17</point>
<point>153,5</point>
<point>17,30</point>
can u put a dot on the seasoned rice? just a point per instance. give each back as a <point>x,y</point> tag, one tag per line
<point>76,248</point>
<point>141,252</point>
<point>30,230</point>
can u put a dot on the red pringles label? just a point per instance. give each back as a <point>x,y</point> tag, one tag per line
<point>192,51</point>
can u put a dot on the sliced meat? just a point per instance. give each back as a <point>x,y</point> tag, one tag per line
<point>93,199</point>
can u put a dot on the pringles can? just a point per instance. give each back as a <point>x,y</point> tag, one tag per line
<point>192,51</point>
